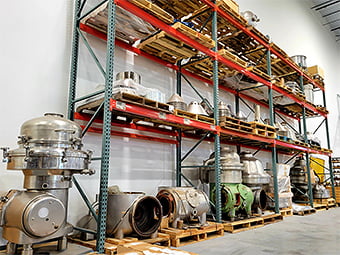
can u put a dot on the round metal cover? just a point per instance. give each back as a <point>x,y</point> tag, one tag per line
<point>43,216</point>
<point>192,198</point>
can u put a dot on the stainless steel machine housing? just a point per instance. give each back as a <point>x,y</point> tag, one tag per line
<point>133,212</point>
<point>49,154</point>
<point>183,204</point>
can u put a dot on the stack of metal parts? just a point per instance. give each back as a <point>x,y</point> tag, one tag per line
<point>49,154</point>
<point>236,197</point>
<point>256,178</point>
<point>184,206</point>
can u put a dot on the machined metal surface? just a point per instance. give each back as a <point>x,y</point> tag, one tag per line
<point>133,212</point>
<point>178,102</point>
<point>231,168</point>
<point>183,203</point>
<point>49,154</point>
<point>253,173</point>
<point>196,108</point>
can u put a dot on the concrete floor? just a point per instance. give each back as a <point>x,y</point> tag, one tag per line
<point>318,233</point>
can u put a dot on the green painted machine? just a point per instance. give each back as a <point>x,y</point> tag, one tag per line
<point>236,198</point>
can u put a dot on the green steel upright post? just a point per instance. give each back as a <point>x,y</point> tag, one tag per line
<point>310,189</point>
<point>331,174</point>
<point>272,120</point>
<point>74,61</point>
<point>179,131</point>
<point>218,205</point>
<point>104,168</point>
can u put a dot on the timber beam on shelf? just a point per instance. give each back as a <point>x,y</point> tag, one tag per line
<point>128,47</point>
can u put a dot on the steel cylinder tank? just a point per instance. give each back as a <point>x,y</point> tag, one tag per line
<point>235,197</point>
<point>255,178</point>
<point>298,178</point>
<point>133,212</point>
<point>231,168</point>
<point>49,154</point>
<point>183,204</point>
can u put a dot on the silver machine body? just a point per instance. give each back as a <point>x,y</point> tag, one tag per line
<point>184,204</point>
<point>49,154</point>
<point>256,179</point>
<point>231,168</point>
<point>133,212</point>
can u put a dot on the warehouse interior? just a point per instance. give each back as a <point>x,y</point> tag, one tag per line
<point>38,59</point>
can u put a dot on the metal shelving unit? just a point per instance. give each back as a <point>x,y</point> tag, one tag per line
<point>179,124</point>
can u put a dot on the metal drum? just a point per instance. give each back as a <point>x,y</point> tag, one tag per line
<point>231,168</point>
<point>183,204</point>
<point>133,212</point>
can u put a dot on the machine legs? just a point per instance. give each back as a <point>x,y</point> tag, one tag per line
<point>27,249</point>
<point>11,248</point>
<point>62,244</point>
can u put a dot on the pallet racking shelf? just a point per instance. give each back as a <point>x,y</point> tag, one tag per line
<point>176,125</point>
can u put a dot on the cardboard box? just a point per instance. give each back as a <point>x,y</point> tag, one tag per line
<point>316,70</point>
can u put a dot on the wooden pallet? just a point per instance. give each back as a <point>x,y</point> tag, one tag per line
<point>180,237</point>
<point>235,124</point>
<point>320,207</point>
<point>285,212</point>
<point>193,116</point>
<point>143,101</point>
<point>111,244</point>
<point>272,218</point>
<point>243,225</point>
<point>191,33</point>
<point>154,10</point>
<point>263,129</point>
<point>324,204</point>
<point>204,66</point>
<point>166,47</point>
<point>145,248</point>
<point>305,212</point>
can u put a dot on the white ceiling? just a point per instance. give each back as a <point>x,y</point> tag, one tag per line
<point>329,10</point>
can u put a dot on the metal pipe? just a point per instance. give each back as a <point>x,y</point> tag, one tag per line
<point>185,178</point>
<point>178,159</point>
<point>94,116</point>
<point>85,230</point>
<point>218,203</point>
<point>105,162</point>
<point>326,5</point>
<point>197,92</point>
<point>272,121</point>
<point>86,200</point>
<point>91,10</point>
<point>321,4</point>
<point>89,96</point>
<point>195,146</point>
<point>331,173</point>
<point>96,60</point>
<point>74,62</point>
<point>319,126</point>
<point>205,23</point>
<point>81,7</point>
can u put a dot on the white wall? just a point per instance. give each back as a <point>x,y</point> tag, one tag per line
<point>34,79</point>
<point>298,30</point>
